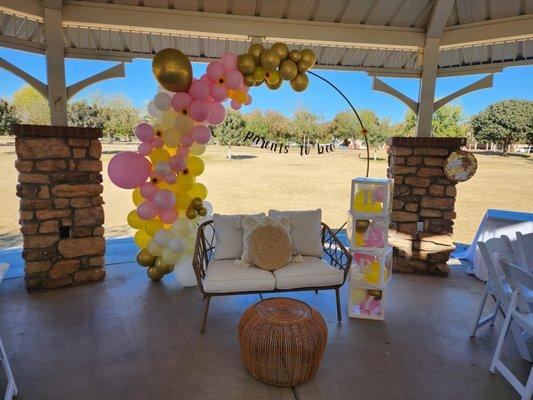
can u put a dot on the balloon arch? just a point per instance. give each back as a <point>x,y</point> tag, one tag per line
<point>169,202</point>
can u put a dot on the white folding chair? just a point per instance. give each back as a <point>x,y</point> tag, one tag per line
<point>525,249</point>
<point>519,312</point>
<point>498,288</point>
<point>11,389</point>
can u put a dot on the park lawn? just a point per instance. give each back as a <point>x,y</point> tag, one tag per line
<point>256,180</point>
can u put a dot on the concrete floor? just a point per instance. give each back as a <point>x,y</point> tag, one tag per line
<point>128,338</point>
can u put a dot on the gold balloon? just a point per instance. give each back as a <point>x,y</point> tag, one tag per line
<point>161,266</point>
<point>249,80</point>
<point>302,67</point>
<point>259,74</point>
<point>308,57</point>
<point>258,83</point>
<point>202,212</point>
<point>154,274</point>
<point>281,49</point>
<point>246,63</point>
<point>275,86</point>
<point>196,203</point>
<point>269,59</point>
<point>191,213</point>
<point>300,82</point>
<point>255,50</point>
<point>173,70</point>
<point>288,70</point>
<point>144,258</point>
<point>272,77</point>
<point>295,55</point>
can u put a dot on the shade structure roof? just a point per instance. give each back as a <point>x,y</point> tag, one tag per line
<point>381,37</point>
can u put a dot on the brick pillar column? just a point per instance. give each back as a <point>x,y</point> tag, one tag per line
<point>61,212</point>
<point>422,195</point>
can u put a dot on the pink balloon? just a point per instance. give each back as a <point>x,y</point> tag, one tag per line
<point>147,210</point>
<point>219,92</point>
<point>248,100</point>
<point>128,169</point>
<point>180,101</point>
<point>229,61</point>
<point>218,113</point>
<point>201,134</point>
<point>235,104</point>
<point>187,140</point>
<point>145,148</point>
<point>215,70</point>
<point>170,179</point>
<point>157,142</point>
<point>199,90</point>
<point>168,216</point>
<point>183,152</point>
<point>200,110</point>
<point>144,132</point>
<point>204,77</point>
<point>234,80</point>
<point>148,189</point>
<point>164,199</point>
<point>177,163</point>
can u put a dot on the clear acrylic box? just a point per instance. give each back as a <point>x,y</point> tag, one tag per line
<point>367,233</point>
<point>366,303</point>
<point>371,196</point>
<point>372,269</point>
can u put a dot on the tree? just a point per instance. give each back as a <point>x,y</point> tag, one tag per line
<point>31,107</point>
<point>119,116</point>
<point>8,117</point>
<point>505,123</point>
<point>378,130</point>
<point>257,123</point>
<point>344,126</point>
<point>447,121</point>
<point>84,114</point>
<point>231,131</point>
<point>306,127</point>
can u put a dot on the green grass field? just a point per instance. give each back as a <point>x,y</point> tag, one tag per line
<point>257,180</point>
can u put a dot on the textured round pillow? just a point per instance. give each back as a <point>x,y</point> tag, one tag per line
<point>270,247</point>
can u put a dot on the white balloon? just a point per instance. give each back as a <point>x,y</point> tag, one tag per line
<point>154,249</point>
<point>162,168</point>
<point>161,89</point>
<point>162,101</point>
<point>162,237</point>
<point>185,273</point>
<point>182,227</point>
<point>153,111</point>
<point>177,245</point>
<point>170,257</point>
<point>197,149</point>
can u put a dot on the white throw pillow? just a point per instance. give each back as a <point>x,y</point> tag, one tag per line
<point>306,231</point>
<point>251,222</point>
<point>228,236</point>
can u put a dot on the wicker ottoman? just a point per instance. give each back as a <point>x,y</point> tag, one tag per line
<point>282,341</point>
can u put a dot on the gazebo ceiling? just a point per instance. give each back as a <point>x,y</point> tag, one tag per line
<point>383,37</point>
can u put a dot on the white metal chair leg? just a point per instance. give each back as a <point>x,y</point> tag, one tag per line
<point>503,333</point>
<point>11,389</point>
<point>528,390</point>
<point>480,310</point>
<point>495,313</point>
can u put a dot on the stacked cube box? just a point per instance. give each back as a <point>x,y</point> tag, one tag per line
<point>370,269</point>
<point>366,303</point>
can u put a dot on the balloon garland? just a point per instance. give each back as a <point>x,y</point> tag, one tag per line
<point>169,201</point>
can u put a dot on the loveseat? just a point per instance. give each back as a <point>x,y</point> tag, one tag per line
<point>223,277</point>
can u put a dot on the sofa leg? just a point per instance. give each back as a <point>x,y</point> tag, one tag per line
<point>316,291</point>
<point>206,310</point>
<point>260,296</point>
<point>337,295</point>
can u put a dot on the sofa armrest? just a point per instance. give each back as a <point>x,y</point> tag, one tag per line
<point>203,251</point>
<point>339,256</point>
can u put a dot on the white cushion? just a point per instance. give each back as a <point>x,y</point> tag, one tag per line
<point>228,236</point>
<point>312,272</point>
<point>305,231</point>
<point>224,276</point>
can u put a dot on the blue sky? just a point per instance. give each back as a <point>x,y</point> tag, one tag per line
<point>140,86</point>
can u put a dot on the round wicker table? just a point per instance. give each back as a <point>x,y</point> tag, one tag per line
<point>282,341</point>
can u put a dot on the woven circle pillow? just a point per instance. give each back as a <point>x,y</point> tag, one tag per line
<point>270,247</point>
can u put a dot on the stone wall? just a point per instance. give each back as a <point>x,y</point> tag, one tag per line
<point>61,213</point>
<point>422,193</point>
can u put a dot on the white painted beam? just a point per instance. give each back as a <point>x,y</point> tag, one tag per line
<point>116,71</point>
<point>482,83</point>
<point>438,18</point>
<point>379,85</point>
<point>427,88</point>
<point>33,82</point>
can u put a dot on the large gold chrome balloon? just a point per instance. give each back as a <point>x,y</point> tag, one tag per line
<point>144,258</point>
<point>161,266</point>
<point>288,70</point>
<point>256,50</point>
<point>154,274</point>
<point>300,82</point>
<point>249,80</point>
<point>246,63</point>
<point>173,70</point>
<point>295,55</point>
<point>269,59</point>
<point>275,86</point>
<point>281,49</point>
<point>308,57</point>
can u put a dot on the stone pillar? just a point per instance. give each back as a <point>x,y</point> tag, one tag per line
<point>423,198</point>
<point>61,213</point>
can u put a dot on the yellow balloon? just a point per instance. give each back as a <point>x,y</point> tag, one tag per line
<point>170,258</point>
<point>141,238</point>
<point>198,190</point>
<point>183,200</point>
<point>183,124</point>
<point>137,197</point>
<point>184,182</point>
<point>197,149</point>
<point>168,118</point>
<point>152,226</point>
<point>195,165</point>
<point>172,69</point>
<point>159,155</point>
<point>171,137</point>
<point>135,221</point>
